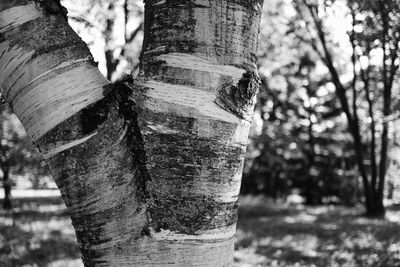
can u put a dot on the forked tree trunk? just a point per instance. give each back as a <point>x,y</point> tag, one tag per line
<point>150,171</point>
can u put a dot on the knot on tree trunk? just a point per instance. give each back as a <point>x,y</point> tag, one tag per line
<point>240,97</point>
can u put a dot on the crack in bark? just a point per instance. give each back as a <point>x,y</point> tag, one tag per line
<point>122,93</point>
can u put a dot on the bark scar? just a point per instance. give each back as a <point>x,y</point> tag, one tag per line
<point>239,98</point>
<point>128,109</point>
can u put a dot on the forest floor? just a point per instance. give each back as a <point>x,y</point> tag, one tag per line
<point>283,235</point>
<point>38,233</point>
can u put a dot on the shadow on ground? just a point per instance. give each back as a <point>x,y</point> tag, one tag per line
<point>270,234</point>
<point>37,232</point>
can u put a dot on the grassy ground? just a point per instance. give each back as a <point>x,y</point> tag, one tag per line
<point>279,235</point>
<point>38,233</point>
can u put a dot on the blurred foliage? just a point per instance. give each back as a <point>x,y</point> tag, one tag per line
<point>358,42</point>
<point>300,138</point>
<point>17,154</point>
<point>38,233</point>
<point>324,119</point>
<point>113,31</point>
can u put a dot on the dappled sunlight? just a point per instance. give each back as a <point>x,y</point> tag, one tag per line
<point>314,236</point>
<point>66,263</point>
<point>38,233</point>
<point>329,226</point>
<point>393,216</point>
<point>52,208</point>
<point>244,239</point>
<point>248,257</point>
<point>46,228</point>
<point>394,250</point>
<point>264,219</point>
<point>300,218</point>
<point>25,193</point>
<point>368,221</point>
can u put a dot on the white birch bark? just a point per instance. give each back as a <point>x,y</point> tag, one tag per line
<point>150,171</point>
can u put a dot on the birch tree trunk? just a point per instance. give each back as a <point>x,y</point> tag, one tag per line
<point>150,171</point>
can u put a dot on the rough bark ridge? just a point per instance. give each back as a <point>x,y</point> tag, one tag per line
<point>162,195</point>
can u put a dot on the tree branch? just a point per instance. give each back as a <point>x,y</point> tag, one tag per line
<point>341,93</point>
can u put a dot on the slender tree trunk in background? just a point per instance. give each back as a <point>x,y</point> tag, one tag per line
<point>373,184</point>
<point>7,186</point>
<point>150,171</point>
<point>312,195</point>
<point>111,62</point>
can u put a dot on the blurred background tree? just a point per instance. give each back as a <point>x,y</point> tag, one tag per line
<point>323,120</point>
<point>302,143</point>
<point>113,30</point>
<point>362,71</point>
<point>17,155</point>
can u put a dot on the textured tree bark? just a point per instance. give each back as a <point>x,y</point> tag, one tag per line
<point>150,171</point>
